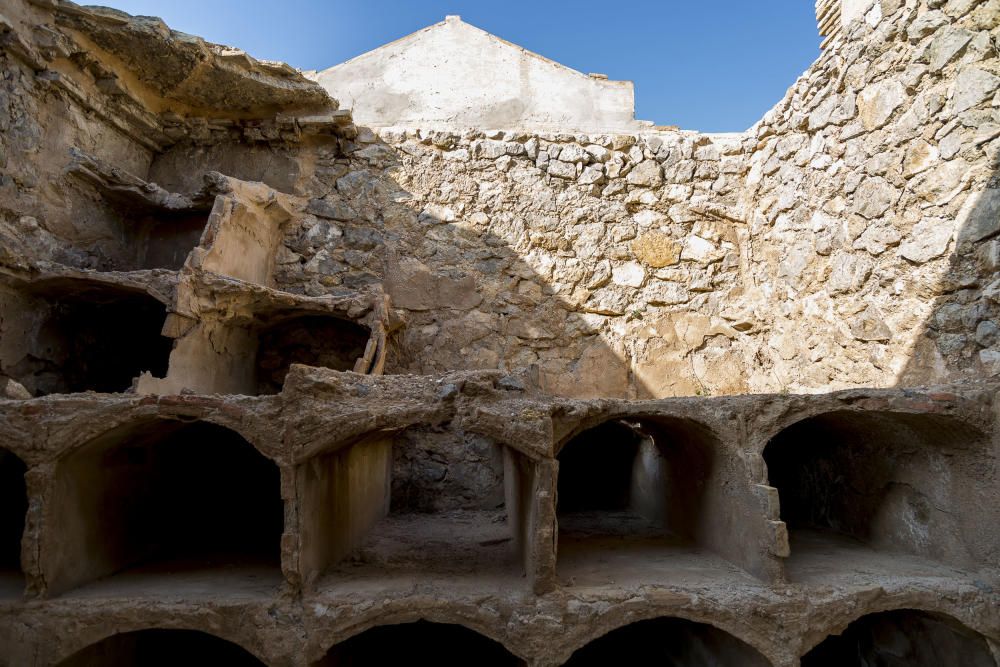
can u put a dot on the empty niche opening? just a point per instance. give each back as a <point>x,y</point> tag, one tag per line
<point>421,500</point>
<point>166,497</point>
<point>161,648</point>
<point>138,225</point>
<point>668,641</point>
<point>446,504</point>
<point>163,239</point>
<point>13,508</point>
<point>902,637</point>
<point>93,337</point>
<point>882,481</point>
<point>634,478</point>
<point>421,643</point>
<point>312,340</point>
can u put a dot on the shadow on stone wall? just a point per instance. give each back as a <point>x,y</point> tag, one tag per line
<point>960,339</point>
<point>468,298</point>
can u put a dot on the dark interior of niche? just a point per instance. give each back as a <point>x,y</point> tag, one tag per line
<point>98,338</point>
<point>178,492</point>
<point>630,477</point>
<point>13,508</point>
<point>312,340</point>
<point>161,648</point>
<point>441,471</point>
<point>595,469</point>
<point>834,472</point>
<point>902,637</point>
<point>163,239</point>
<point>420,643</point>
<point>667,641</point>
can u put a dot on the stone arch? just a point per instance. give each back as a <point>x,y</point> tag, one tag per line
<point>159,646</point>
<point>156,491</point>
<point>87,427</point>
<point>886,479</point>
<point>912,636</point>
<point>13,510</point>
<point>672,640</point>
<point>421,640</point>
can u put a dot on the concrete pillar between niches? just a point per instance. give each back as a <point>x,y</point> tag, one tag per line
<point>543,529</point>
<point>38,480</point>
<point>342,495</point>
<point>210,358</point>
<point>290,542</point>
<point>518,483</point>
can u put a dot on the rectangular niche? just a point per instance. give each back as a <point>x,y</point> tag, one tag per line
<point>158,503</point>
<point>644,500</point>
<point>312,339</point>
<point>864,491</point>
<point>67,335</point>
<point>149,227</point>
<point>417,502</point>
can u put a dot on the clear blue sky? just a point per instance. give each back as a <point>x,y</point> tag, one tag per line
<point>710,65</point>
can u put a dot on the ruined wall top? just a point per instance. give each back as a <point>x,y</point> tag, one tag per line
<point>452,74</point>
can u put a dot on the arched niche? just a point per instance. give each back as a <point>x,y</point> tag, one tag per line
<point>651,486</point>
<point>856,484</point>
<point>309,339</point>
<point>419,643</point>
<point>73,335</point>
<point>668,641</point>
<point>163,499</point>
<point>13,508</point>
<point>161,648</point>
<point>902,637</point>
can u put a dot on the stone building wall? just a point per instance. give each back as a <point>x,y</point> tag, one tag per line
<point>871,203</point>
<point>847,239</point>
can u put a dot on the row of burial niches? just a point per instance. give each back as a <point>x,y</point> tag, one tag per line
<point>93,316</point>
<point>86,333</point>
<point>656,498</point>
<point>642,499</point>
<point>897,637</point>
<point>161,507</point>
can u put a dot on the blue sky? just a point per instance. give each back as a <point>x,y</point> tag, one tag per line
<point>709,65</point>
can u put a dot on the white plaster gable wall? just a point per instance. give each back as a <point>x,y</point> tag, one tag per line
<point>455,75</point>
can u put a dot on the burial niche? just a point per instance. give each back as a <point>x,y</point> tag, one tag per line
<point>902,637</point>
<point>420,643</point>
<point>312,340</point>
<point>164,496</point>
<point>883,481</point>
<point>668,641</point>
<point>161,648</point>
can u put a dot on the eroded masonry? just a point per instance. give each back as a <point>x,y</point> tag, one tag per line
<point>529,383</point>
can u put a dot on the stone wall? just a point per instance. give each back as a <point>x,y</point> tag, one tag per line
<point>599,260</point>
<point>871,199</point>
<point>847,239</point>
